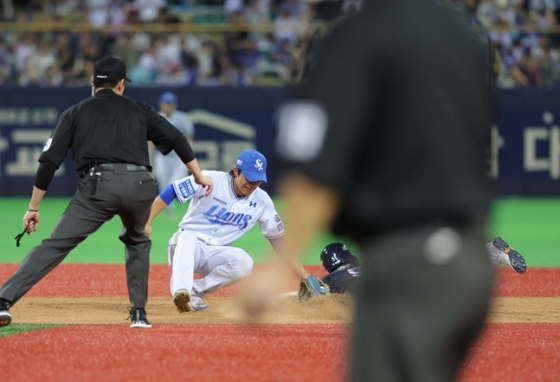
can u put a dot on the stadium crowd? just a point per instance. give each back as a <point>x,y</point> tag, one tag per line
<point>266,42</point>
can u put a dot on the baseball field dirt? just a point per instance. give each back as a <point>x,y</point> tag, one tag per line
<point>96,294</point>
<point>224,310</point>
<point>293,342</point>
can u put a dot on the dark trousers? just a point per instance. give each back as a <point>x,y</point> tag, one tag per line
<point>127,194</point>
<point>421,301</point>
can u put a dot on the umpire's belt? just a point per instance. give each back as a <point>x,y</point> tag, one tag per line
<point>119,167</point>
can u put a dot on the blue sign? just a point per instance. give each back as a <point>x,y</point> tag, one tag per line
<point>524,156</point>
<point>525,152</point>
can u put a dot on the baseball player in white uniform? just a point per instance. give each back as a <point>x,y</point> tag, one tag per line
<point>169,167</point>
<point>211,224</point>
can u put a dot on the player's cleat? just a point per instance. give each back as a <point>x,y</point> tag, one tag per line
<point>5,318</point>
<point>514,258</point>
<point>198,305</point>
<point>139,318</point>
<point>185,303</point>
<point>182,300</point>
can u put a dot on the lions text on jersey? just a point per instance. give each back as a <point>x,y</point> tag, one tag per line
<point>223,217</point>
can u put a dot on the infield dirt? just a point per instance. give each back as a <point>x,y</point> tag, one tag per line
<point>225,310</point>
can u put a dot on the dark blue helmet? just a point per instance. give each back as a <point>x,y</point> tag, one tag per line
<point>335,255</point>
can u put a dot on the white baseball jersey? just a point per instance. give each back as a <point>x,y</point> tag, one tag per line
<point>223,217</point>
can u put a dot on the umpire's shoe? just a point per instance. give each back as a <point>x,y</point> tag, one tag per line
<point>5,316</point>
<point>139,318</point>
<point>514,258</point>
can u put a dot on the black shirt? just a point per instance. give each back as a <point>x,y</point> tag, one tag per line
<point>396,117</point>
<point>108,128</point>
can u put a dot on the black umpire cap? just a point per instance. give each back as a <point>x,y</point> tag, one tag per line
<point>110,68</point>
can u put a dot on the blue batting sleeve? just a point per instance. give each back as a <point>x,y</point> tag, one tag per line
<point>168,194</point>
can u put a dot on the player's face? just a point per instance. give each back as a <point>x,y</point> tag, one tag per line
<point>167,107</point>
<point>242,186</point>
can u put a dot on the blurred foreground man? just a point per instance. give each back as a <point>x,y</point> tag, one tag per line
<point>386,143</point>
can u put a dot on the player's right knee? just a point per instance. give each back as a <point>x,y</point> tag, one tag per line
<point>242,268</point>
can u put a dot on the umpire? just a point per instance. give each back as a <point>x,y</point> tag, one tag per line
<point>108,136</point>
<point>386,143</point>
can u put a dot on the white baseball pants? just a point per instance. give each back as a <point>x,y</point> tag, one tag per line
<point>219,266</point>
<point>496,256</point>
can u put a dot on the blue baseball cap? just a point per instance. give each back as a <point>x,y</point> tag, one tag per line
<point>168,97</point>
<point>253,164</point>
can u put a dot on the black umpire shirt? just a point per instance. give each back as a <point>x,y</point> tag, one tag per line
<point>109,128</point>
<point>396,117</point>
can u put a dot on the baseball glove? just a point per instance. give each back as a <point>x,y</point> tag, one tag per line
<point>312,287</point>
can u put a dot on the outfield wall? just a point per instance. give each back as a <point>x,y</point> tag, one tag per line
<point>524,157</point>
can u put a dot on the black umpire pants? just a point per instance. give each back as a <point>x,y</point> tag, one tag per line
<point>117,192</point>
<point>421,301</point>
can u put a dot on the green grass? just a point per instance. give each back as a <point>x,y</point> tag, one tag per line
<point>20,328</point>
<point>530,226</point>
<point>104,245</point>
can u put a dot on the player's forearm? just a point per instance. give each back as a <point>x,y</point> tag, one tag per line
<point>310,208</point>
<point>36,198</point>
<point>45,174</point>
<point>194,168</point>
<point>291,261</point>
<point>157,206</point>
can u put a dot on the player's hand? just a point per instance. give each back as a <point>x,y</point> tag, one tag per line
<point>148,229</point>
<point>206,182</point>
<point>31,221</point>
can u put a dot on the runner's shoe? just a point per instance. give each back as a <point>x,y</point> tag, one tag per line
<point>513,258</point>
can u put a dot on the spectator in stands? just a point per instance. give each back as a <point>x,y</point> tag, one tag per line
<point>98,12</point>
<point>24,47</point>
<point>148,10</point>
<point>254,13</point>
<point>126,51</point>
<point>233,6</point>
<point>250,58</point>
<point>516,26</point>
<point>295,8</point>
<point>286,27</point>
<point>527,73</point>
<point>168,53</point>
<point>28,75</point>
<point>53,77</point>
<point>544,11</point>
<point>88,47</point>
<point>42,59</point>
<point>282,53</point>
<point>6,63</point>
<point>119,14</point>
<point>210,64</point>
<point>60,9</point>
<point>190,62</point>
<point>81,75</point>
<point>235,40</point>
<point>145,72</point>
<point>66,57</point>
